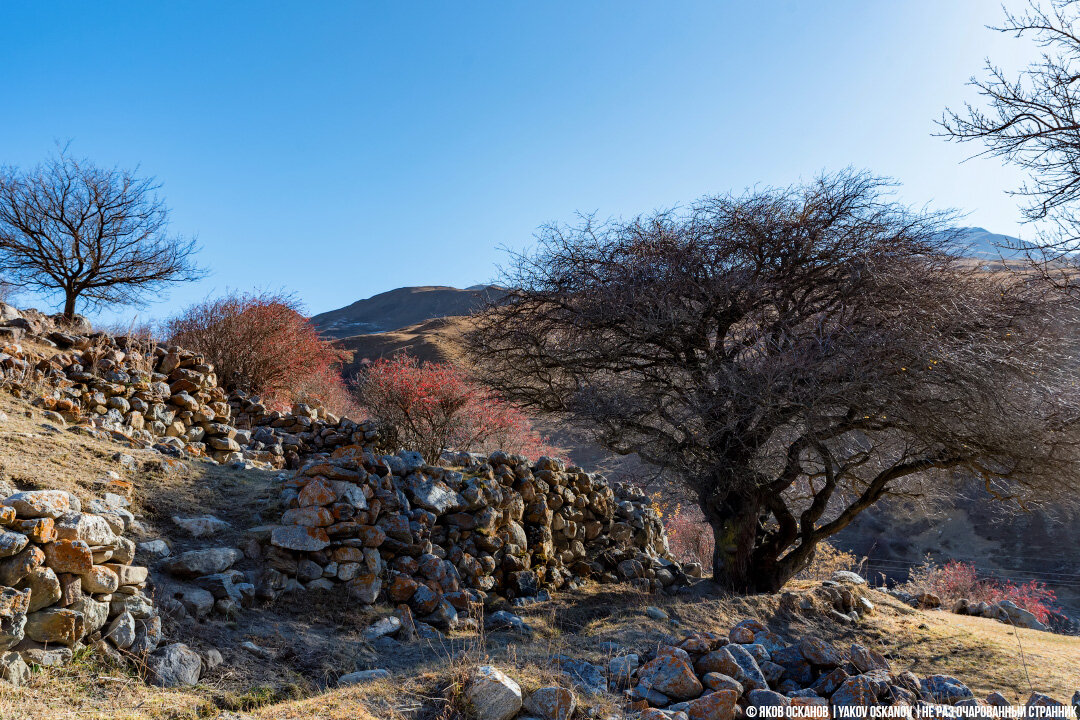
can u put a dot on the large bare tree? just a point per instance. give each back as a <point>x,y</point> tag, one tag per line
<point>90,234</point>
<point>791,356</point>
<point>1031,119</point>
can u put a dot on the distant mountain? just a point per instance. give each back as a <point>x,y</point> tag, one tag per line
<point>401,308</point>
<point>981,243</point>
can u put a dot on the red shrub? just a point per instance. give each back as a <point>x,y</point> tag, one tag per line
<point>433,407</point>
<point>956,580</point>
<point>262,344</point>
<point>690,538</point>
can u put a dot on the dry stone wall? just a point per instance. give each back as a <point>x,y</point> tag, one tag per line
<point>440,538</point>
<point>164,397</point>
<point>68,578</point>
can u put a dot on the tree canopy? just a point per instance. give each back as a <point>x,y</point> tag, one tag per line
<point>791,356</point>
<point>90,234</point>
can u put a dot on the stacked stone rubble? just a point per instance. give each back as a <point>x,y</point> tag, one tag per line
<point>306,430</point>
<point>751,671</point>
<point>67,578</point>
<point>437,538</point>
<point>165,397</point>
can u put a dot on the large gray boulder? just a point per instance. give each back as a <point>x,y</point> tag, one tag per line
<point>1018,616</point>
<point>492,694</point>
<point>174,665</point>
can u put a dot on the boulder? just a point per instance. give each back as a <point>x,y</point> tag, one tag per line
<point>15,568</point>
<point>121,631</point>
<point>201,525</point>
<point>95,613</point>
<point>13,669</point>
<point>1019,616</point>
<point>551,703</point>
<point>854,692</point>
<point>69,556</point>
<point>719,705</point>
<point>492,694</point>
<point>11,543</point>
<point>204,562</point>
<point>55,625</point>
<point>197,601</point>
<point>944,689</point>
<point>363,676</point>
<point>621,668</point>
<point>297,537</point>
<point>585,676</point>
<point>671,676</point>
<point>174,665</point>
<point>39,503</point>
<point>44,588</point>
<point>386,626</point>
<point>100,580</point>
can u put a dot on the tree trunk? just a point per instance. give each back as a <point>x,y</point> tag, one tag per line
<point>738,563</point>
<point>69,305</point>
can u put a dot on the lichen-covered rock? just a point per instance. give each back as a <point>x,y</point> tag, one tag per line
<point>69,556</point>
<point>719,705</point>
<point>671,676</point>
<point>11,543</point>
<point>856,691</point>
<point>296,537</point>
<point>551,703</point>
<point>55,625</point>
<point>15,568</point>
<point>40,503</point>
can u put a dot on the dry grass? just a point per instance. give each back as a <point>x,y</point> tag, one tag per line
<point>90,688</point>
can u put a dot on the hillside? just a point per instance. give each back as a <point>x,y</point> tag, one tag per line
<point>306,644</point>
<point>280,566</point>
<point>401,308</point>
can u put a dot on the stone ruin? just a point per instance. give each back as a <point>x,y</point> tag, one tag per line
<point>67,579</point>
<point>380,527</point>
<point>168,398</point>
<point>440,539</point>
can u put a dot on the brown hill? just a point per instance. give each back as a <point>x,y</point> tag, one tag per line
<point>401,308</point>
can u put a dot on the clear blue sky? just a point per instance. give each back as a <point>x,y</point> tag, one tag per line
<point>341,149</point>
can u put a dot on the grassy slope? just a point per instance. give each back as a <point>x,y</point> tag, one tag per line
<point>985,654</point>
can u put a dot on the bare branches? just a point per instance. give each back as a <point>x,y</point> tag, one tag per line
<point>91,234</point>
<point>1033,120</point>
<point>791,356</point>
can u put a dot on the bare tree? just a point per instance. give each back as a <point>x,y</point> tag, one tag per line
<point>791,356</point>
<point>1032,120</point>
<point>91,234</point>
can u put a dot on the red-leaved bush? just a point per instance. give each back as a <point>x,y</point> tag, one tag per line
<point>690,538</point>
<point>262,344</point>
<point>955,580</point>
<point>433,407</point>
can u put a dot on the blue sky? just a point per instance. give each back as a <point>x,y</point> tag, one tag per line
<point>341,149</point>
